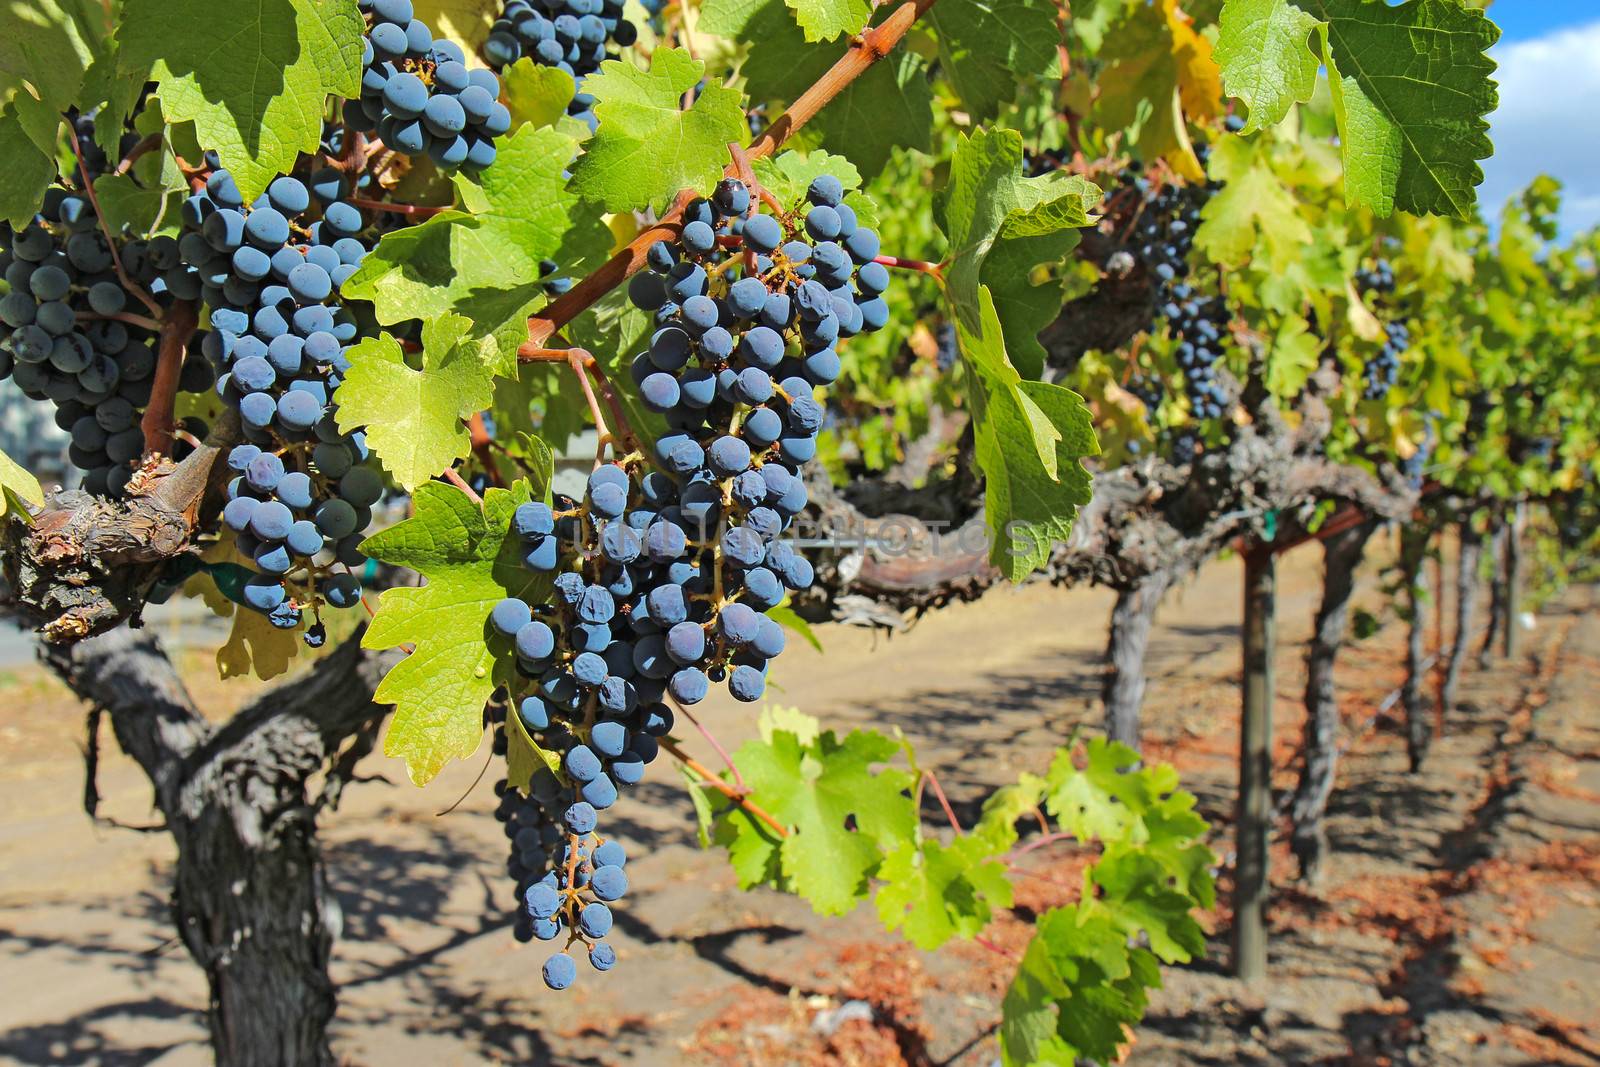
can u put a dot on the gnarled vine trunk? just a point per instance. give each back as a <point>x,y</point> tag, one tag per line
<point>1126,645</point>
<point>1467,561</point>
<point>1341,553</point>
<point>249,897</point>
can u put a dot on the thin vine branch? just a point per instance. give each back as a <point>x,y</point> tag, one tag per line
<point>863,52</point>
<point>732,792</point>
<point>94,201</point>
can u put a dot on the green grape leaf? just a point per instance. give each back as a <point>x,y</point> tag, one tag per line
<point>1001,227</point>
<point>1134,892</point>
<point>125,203</point>
<point>482,262</point>
<point>1140,90</point>
<point>1262,46</point>
<point>254,79</point>
<point>536,93</point>
<point>889,106</point>
<point>997,824</point>
<point>471,561</point>
<point>934,893</point>
<point>466,22</point>
<point>823,20</point>
<point>1031,437</point>
<point>789,175</point>
<point>753,850</point>
<point>47,48</point>
<point>413,418</point>
<point>1078,988</point>
<point>813,789</point>
<point>1254,214</point>
<point>1410,90</point>
<point>1292,357</point>
<point>987,48</point>
<point>524,755</point>
<point>700,798</point>
<point>19,490</point>
<point>647,149</point>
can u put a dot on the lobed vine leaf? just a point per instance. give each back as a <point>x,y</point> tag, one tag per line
<point>933,893</point>
<point>647,148</point>
<point>471,561</point>
<point>413,418</point>
<point>254,79</point>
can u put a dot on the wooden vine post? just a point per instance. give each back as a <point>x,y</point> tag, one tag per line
<point>1511,634</point>
<point>1253,817</point>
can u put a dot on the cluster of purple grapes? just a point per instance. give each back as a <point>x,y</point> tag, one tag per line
<point>664,577</point>
<point>571,35</point>
<point>58,341</point>
<point>1381,370</point>
<point>418,95</point>
<point>1200,325</point>
<point>302,492</point>
<point>576,895</point>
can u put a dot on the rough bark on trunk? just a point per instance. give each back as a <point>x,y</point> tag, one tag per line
<point>1131,620</point>
<point>1252,875</point>
<point>249,898</point>
<point>1342,553</point>
<point>1497,592</point>
<point>1513,578</point>
<point>1471,552</point>
<point>1419,726</point>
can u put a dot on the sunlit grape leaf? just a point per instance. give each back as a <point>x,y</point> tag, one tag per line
<point>1254,216</point>
<point>1135,894</point>
<point>536,93</point>
<point>254,646</point>
<point>1079,988</point>
<point>1199,77</point>
<point>700,798</point>
<point>813,789</point>
<point>253,78</point>
<point>1266,61</point>
<point>46,50</point>
<point>471,561</point>
<point>1139,91</point>
<point>788,175</point>
<point>823,20</point>
<point>988,47</point>
<point>1410,82</point>
<point>482,262</point>
<point>990,212</point>
<point>466,22</point>
<point>1292,357</point>
<point>524,755</point>
<point>18,490</point>
<point>997,824</point>
<point>646,148</point>
<point>1031,438</point>
<point>775,718</point>
<point>933,893</point>
<point>413,418</point>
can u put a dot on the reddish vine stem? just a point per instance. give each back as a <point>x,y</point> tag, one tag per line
<point>738,779</point>
<point>416,211</point>
<point>94,201</point>
<point>992,947</point>
<point>733,793</point>
<point>580,360</point>
<point>863,52</point>
<point>452,476</point>
<point>143,148</point>
<point>944,802</point>
<point>1041,842</point>
<point>483,447</point>
<point>159,419</point>
<point>935,269</point>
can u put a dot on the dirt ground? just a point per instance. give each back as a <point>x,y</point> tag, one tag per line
<point>1458,923</point>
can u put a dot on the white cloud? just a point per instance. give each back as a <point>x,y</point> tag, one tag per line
<point>1548,122</point>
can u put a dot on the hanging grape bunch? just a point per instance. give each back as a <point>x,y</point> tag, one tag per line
<point>418,95</point>
<point>301,492</point>
<point>663,577</point>
<point>575,36</point>
<point>1200,325</point>
<point>1381,370</point>
<point>58,340</point>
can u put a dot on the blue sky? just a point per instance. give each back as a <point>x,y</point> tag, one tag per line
<point>1547,122</point>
